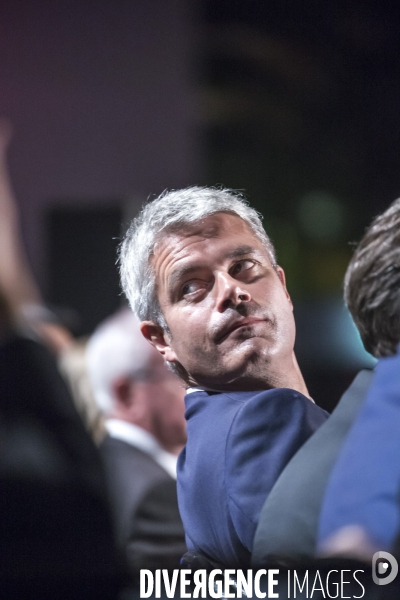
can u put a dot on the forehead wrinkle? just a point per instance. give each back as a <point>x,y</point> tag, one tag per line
<point>242,251</point>
<point>194,234</point>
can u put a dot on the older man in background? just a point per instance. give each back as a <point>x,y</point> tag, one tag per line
<point>143,405</point>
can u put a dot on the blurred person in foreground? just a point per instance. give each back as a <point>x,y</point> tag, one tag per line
<point>361,510</point>
<point>201,274</point>
<point>26,302</point>
<point>338,477</point>
<point>143,405</point>
<point>56,537</point>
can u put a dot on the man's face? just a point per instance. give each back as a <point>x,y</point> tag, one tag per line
<point>228,311</point>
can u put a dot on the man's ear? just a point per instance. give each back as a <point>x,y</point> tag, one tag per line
<point>282,277</point>
<point>122,389</point>
<point>159,339</point>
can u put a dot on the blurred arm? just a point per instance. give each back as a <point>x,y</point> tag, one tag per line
<point>16,278</point>
<point>17,282</point>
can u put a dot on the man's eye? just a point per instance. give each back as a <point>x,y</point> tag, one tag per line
<point>192,287</point>
<point>242,265</point>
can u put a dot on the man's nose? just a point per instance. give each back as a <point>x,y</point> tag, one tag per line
<point>230,293</point>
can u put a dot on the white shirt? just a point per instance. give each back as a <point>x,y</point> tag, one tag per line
<point>144,441</point>
<point>191,390</point>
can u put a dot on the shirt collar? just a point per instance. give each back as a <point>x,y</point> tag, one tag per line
<point>191,390</point>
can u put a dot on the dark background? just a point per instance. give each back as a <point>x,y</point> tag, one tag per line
<point>295,103</point>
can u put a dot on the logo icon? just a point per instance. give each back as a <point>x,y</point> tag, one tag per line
<point>384,564</point>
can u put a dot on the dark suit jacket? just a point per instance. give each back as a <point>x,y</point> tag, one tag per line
<point>289,519</point>
<point>146,514</point>
<point>238,444</point>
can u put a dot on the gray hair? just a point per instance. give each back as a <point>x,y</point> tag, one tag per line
<point>372,284</point>
<point>170,212</point>
<point>116,349</point>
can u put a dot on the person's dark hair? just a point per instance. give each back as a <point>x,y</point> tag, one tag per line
<point>372,284</point>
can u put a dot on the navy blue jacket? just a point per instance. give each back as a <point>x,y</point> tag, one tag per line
<point>364,486</point>
<point>238,444</point>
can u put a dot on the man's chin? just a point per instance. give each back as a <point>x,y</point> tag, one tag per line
<point>246,368</point>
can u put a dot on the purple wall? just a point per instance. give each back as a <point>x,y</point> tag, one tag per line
<point>102,98</point>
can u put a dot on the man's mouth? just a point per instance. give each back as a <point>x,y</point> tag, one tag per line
<point>235,325</point>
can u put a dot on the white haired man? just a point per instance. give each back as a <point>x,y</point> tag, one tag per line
<point>143,405</point>
<point>201,274</point>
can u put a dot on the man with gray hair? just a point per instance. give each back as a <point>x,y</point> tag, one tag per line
<point>143,405</point>
<point>201,274</point>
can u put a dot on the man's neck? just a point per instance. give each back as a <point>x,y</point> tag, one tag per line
<point>290,377</point>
